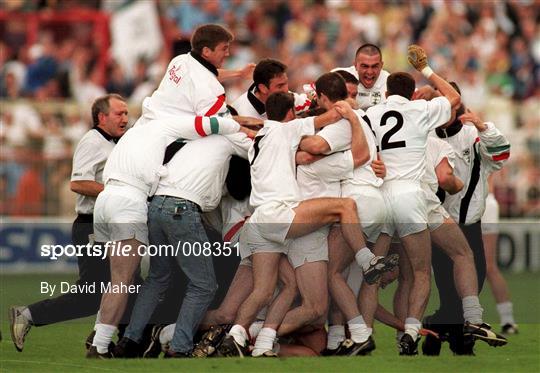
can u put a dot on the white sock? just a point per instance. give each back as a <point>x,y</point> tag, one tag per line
<point>336,335</point>
<point>103,337</point>
<point>239,334</point>
<point>255,328</point>
<point>358,329</point>
<point>412,327</point>
<point>472,311</point>
<point>98,319</point>
<point>28,315</point>
<point>363,257</point>
<point>506,313</point>
<point>166,334</point>
<point>264,342</point>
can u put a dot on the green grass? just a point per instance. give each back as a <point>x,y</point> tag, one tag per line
<point>60,347</point>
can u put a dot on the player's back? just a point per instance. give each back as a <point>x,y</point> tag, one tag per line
<point>272,160</point>
<point>401,127</point>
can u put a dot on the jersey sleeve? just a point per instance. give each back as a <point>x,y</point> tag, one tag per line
<point>494,147</point>
<point>438,113</point>
<point>301,102</point>
<point>335,167</point>
<point>240,143</point>
<point>86,160</point>
<point>191,128</point>
<point>337,135</point>
<point>301,127</point>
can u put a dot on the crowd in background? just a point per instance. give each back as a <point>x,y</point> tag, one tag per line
<point>491,48</point>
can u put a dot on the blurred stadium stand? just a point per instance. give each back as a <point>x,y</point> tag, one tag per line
<point>56,56</point>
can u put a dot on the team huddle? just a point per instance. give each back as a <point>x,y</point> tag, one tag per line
<point>329,196</point>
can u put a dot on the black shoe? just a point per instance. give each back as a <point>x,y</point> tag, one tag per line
<point>408,346</point>
<point>351,348</point>
<point>89,340</point>
<point>509,329</point>
<point>93,353</point>
<point>484,333</point>
<point>209,342</point>
<point>378,265</point>
<point>177,355</point>
<point>229,347</point>
<point>431,346</point>
<point>127,349</point>
<point>154,347</point>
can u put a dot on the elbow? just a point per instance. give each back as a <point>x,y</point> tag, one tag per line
<point>455,101</point>
<point>450,184</point>
<point>361,159</point>
<point>319,147</point>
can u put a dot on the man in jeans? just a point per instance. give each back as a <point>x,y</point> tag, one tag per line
<point>194,183</point>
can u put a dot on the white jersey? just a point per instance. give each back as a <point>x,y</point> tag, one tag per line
<point>189,87</point>
<point>138,157</point>
<point>436,151</point>
<point>323,177</point>
<point>249,105</point>
<point>88,163</point>
<point>401,128</point>
<point>229,217</point>
<point>272,158</point>
<point>368,97</point>
<point>478,154</point>
<point>338,136</point>
<point>197,171</point>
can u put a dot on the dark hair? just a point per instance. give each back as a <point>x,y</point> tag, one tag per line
<point>102,105</point>
<point>266,70</point>
<point>238,180</point>
<point>401,84</point>
<point>209,36</point>
<point>369,49</point>
<point>348,77</point>
<point>332,85</point>
<point>456,87</point>
<point>278,105</point>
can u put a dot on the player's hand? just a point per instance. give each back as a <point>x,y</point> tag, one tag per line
<point>247,72</point>
<point>417,57</point>
<point>473,118</point>
<point>249,132</point>
<point>379,168</point>
<point>344,109</point>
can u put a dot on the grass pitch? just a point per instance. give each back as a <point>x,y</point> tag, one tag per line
<point>60,347</point>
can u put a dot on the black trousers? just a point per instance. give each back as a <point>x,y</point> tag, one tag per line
<point>92,269</point>
<point>451,310</point>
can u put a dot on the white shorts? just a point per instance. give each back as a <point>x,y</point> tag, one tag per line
<point>120,213</point>
<point>490,219</point>
<point>266,230</point>
<point>372,210</point>
<point>406,204</point>
<point>312,247</point>
<point>437,214</point>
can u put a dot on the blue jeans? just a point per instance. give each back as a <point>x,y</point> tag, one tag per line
<point>172,221</point>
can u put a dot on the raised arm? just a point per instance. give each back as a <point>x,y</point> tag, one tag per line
<point>359,145</point>
<point>418,59</point>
